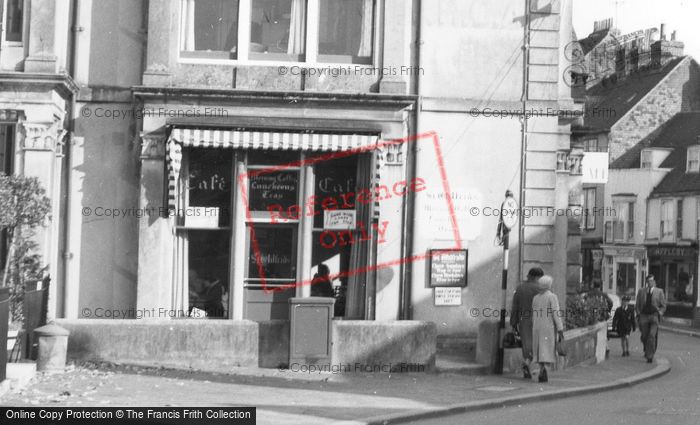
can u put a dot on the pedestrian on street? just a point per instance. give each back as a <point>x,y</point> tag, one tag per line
<point>521,315</point>
<point>650,306</point>
<point>623,324</point>
<point>547,327</point>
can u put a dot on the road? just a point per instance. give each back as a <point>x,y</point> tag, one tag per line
<point>672,399</point>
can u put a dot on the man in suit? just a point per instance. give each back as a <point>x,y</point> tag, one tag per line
<point>521,315</point>
<point>649,307</point>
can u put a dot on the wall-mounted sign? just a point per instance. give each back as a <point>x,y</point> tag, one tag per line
<point>594,167</point>
<point>448,296</point>
<point>434,209</point>
<point>202,217</point>
<point>339,219</point>
<point>671,251</point>
<point>448,267</point>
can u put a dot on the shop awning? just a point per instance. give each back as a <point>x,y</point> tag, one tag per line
<point>208,138</point>
<point>241,139</point>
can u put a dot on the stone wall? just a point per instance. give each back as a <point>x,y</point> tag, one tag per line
<point>222,345</point>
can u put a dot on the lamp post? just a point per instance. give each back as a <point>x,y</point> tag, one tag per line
<point>508,217</point>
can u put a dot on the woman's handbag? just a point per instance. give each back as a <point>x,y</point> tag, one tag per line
<point>512,340</point>
<point>561,349</point>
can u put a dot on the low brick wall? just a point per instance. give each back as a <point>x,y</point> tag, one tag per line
<point>217,345</point>
<point>221,345</point>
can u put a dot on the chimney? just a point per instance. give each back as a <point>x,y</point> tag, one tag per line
<point>663,51</point>
<point>663,31</point>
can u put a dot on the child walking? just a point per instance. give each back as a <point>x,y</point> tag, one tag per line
<point>623,323</point>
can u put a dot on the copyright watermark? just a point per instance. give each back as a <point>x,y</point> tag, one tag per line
<point>528,212</point>
<point>114,114</point>
<point>351,70</point>
<point>338,368</point>
<point>516,113</point>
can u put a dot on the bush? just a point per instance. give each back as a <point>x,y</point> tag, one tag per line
<point>583,310</point>
<point>23,207</point>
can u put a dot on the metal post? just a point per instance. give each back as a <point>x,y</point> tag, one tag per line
<point>504,288</point>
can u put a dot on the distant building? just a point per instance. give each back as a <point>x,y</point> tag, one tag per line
<point>645,88</point>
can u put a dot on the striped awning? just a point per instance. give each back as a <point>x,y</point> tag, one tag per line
<point>212,138</point>
<point>240,139</point>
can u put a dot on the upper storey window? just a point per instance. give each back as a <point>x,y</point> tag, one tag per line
<point>14,20</point>
<point>311,31</point>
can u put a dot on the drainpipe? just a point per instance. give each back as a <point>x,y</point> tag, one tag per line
<point>406,307</point>
<point>523,134</point>
<point>68,155</point>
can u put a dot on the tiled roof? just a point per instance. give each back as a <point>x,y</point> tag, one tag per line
<point>618,98</point>
<point>677,134</point>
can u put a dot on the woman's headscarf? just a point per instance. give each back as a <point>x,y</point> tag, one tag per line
<point>545,283</point>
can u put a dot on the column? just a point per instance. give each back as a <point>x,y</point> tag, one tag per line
<point>42,37</point>
<point>156,233</point>
<point>39,143</point>
<point>397,42</point>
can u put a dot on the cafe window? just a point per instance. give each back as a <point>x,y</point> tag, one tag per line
<point>340,31</point>
<point>206,228</point>
<point>14,20</point>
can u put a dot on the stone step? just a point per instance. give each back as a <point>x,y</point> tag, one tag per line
<point>464,347</point>
<point>445,363</point>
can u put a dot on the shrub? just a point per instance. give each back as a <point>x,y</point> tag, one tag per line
<point>583,310</point>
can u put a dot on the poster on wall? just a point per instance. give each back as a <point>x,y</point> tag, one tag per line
<point>448,267</point>
<point>448,296</point>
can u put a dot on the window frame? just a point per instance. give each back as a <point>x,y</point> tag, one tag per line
<point>311,55</point>
<point>588,210</point>
<point>679,219</point>
<point>649,161</point>
<point>23,32</point>
<point>692,155</point>
<point>671,220</point>
<point>625,219</point>
<point>589,143</point>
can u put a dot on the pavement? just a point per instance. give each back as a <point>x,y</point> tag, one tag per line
<point>679,328</point>
<point>288,397</point>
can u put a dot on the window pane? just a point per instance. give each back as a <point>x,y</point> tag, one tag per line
<point>274,191</point>
<point>15,18</point>
<point>278,28</point>
<point>211,25</point>
<point>334,179</point>
<point>209,183</point>
<point>276,251</point>
<point>208,271</point>
<point>345,28</point>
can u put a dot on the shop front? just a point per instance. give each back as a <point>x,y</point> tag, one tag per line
<point>624,269</point>
<point>259,212</point>
<point>675,269</point>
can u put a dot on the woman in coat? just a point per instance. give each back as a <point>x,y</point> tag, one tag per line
<point>546,326</point>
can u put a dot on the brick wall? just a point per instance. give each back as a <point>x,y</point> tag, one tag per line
<point>679,92</point>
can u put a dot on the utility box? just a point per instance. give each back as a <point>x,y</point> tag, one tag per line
<point>310,331</point>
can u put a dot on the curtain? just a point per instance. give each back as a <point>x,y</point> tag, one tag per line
<point>366,29</point>
<point>297,25</point>
<point>187,25</point>
<point>357,283</point>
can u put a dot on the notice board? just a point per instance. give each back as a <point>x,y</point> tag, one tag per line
<point>448,267</point>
